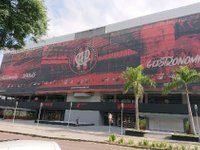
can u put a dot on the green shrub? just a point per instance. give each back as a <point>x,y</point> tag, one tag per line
<point>183,147</point>
<point>142,123</point>
<point>145,143</point>
<point>170,146</point>
<point>188,135</point>
<point>9,113</point>
<point>130,142</point>
<point>140,143</point>
<point>187,126</point>
<point>196,147</point>
<point>162,144</point>
<point>112,138</point>
<point>153,145</point>
<point>176,147</point>
<point>121,141</point>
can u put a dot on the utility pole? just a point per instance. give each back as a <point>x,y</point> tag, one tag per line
<point>15,110</point>
<point>39,113</point>
<point>69,114</point>
<point>122,108</point>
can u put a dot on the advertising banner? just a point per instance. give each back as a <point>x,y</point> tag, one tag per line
<point>96,64</point>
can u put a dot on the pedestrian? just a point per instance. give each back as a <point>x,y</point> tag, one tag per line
<point>77,121</point>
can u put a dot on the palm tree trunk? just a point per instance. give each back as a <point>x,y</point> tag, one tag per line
<point>191,120</point>
<point>137,127</point>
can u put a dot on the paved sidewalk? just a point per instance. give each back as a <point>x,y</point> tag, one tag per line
<point>51,131</point>
<point>86,133</point>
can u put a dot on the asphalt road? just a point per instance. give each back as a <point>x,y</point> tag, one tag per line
<point>65,144</point>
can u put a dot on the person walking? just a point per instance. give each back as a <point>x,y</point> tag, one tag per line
<point>77,121</point>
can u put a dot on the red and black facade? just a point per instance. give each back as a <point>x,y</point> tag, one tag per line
<point>95,64</point>
<point>92,66</point>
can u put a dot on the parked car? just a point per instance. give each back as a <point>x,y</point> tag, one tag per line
<point>29,145</point>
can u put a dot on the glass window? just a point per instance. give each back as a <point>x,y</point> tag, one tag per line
<point>165,99</point>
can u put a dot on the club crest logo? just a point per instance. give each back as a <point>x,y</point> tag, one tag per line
<point>83,59</point>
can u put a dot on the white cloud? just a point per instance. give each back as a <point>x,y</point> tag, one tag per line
<point>70,16</point>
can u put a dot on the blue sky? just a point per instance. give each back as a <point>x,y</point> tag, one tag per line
<point>69,16</point>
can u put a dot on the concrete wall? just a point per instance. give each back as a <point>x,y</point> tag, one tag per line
<point>197,124</point>
<point>90,33</point>
<point>95,97</point>
<point>166,124</point>
<point>160,16</point>
<point>84,116</point>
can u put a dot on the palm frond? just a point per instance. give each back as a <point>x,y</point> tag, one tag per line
<point>194,77</point>
<point>127,86</point>
<point>148,81</point>
<point>168,87</point>
<point>182,76</point>
<point>134,78</point>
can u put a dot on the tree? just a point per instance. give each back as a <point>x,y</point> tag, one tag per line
<point>182,78</point>
<point>19,20</point>
<point>135,79</point>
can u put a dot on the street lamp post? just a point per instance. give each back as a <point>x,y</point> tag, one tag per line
<point>109,121</point>
<point>70,109</point>
<point>15,110</point>
<point>197,119</point>
<point>122,107</point>
<point>39,113</point>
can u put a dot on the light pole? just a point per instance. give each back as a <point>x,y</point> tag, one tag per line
<point>122,107</point>
<point>70,109</point>
<point>39,113</point>
<point>197,119</point>
<point>109,121</point>
<point>15,110</point>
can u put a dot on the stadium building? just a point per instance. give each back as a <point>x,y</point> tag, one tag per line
<point>81,72</point>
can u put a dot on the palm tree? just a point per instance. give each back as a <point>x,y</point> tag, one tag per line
<point>182,77</point>
<point>134,79</point>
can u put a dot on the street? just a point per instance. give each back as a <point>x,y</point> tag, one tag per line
<point>65,144</point>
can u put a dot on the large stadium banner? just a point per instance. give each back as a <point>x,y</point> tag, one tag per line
<point>96,64</point>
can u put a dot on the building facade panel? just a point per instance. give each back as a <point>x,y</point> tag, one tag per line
<point>96,63</point>
<point>166,124</point>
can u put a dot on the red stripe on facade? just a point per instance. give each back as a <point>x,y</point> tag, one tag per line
<point>57,61</point>
<point>86,80</point>
<point>119,54</point>
<point>80,90</point>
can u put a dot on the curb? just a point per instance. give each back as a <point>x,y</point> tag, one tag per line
<point>68,139</point>
<point>78,140</point>
<point>48,137</point>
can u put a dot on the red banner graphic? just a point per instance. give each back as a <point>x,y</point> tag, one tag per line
<point>96,64</point>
